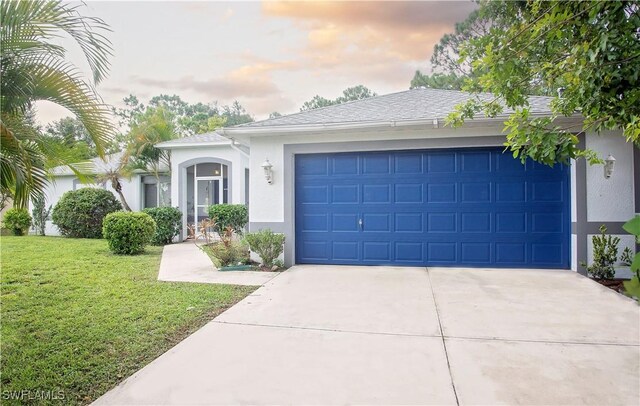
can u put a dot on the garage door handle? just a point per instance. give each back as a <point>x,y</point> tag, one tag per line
<point>360,223</point>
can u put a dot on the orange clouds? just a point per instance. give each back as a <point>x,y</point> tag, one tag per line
<point>403,30</point>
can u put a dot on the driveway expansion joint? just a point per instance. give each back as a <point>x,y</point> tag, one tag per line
<point>444,343</point>
<point>327,329</point>
<point>540,341</point>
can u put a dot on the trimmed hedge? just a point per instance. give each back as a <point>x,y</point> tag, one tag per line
<point>168,222</point>
<point>79,213</point>
<point>127,233</point>
<point>229,215</point>
<point>267,244</point>
<point>17,220</point>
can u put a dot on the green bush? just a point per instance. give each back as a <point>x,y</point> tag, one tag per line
<point>267,244</point>
<point>127,233</point>
<point>168,222</point>
<point>17,220</point>
<point>229,215</point>
<point>79,213</point>
<point>605,255</point>
<point>227,254</point>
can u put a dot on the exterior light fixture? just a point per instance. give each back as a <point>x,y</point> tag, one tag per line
<point>268,173</point>
<point>609,164</point>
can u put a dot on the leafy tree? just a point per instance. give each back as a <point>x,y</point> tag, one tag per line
<point>317,102</point>
<point>70,134</point>
<point>349,94</point>
<point>188,119</point>
<point>355,93</point>
<point>589,49</point>
<point>33,68</point>
<point>235,114</point>
<point>275,114</point>
<point>449,81</point>
<point>450,68</point>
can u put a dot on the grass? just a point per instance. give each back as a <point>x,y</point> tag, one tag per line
<point>78,319</point>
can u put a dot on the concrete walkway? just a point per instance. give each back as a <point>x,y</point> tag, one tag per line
<point>383,335</point>
<point>185,262</point>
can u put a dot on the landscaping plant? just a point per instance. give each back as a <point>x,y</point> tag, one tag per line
<point>632,287</point>
<point>605,255</point>
<point>626,257</point>
<point>127,232</point>
<point>17,220</point>
<point>229,215</point>
<point>234,253</point>
<point>79,213</point>
<point>267,244</point>
<point>40,214</point>
<point>228,251</point>
<point>168,221</point>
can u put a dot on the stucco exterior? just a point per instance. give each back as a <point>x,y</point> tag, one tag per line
<point>410,120</point>
<point>605,201</point>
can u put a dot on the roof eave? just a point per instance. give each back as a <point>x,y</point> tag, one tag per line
<point>435,122</point>
<point>174,145</point>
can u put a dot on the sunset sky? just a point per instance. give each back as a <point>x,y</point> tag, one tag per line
<point>270,56</point>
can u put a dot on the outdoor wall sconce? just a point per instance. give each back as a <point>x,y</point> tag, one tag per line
<point>268,173</point>
<point>609,164</point>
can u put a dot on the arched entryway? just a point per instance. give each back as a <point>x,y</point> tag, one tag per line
<point>204,182</point>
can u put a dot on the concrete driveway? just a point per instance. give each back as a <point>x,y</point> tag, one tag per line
<point>385,335</point>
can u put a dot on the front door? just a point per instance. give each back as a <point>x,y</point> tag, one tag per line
<point>207,193</point>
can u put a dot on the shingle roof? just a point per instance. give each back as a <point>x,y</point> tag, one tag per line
<point>99,166</point>
<point>197,139</point>
<point>414,104</point>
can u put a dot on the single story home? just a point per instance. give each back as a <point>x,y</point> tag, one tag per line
<point>382,181</point>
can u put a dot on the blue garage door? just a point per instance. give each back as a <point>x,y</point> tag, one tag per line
<point>464,207</point>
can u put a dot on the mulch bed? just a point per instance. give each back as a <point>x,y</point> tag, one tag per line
<point>613,284</point>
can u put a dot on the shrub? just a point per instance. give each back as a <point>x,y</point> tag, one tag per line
<point>17,220</point>
<point>40,214</point>
<point>267,244</point>
<point>229,215</point>
<point>605,255</point>
<point>79,213</point>
<point>128,232</point>
<point>229,253</point>
<point>168,222</point>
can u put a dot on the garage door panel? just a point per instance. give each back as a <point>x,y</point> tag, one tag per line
<point>376,194</point>
<point>377,251</point>
<point>442,162</point>
<point>508,253</point>
<point>408,193</point>
<point>409,163</point>
<point>345,165</point>
<point>409,223</point>
<point>469,207</point>
<point>477,162</point>
<point>346,250</point>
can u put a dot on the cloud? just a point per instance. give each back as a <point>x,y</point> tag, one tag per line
<point>250,84</point>
<point>404,30</point>
<point>226,88</point>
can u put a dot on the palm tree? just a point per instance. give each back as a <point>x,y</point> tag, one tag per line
<point>154,126</point>
<point>114,177</point>
<point>33,68</point>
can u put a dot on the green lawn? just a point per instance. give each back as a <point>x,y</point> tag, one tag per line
<point>78,319</point>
